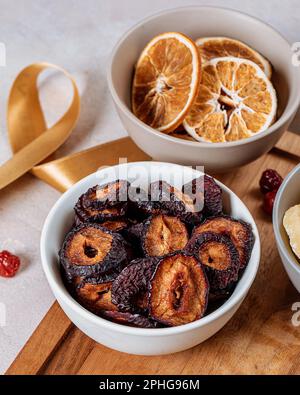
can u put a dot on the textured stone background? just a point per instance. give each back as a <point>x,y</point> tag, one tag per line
<point>77,35</point>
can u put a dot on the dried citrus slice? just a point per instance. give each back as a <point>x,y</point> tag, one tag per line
<point>235,101</point>
<point>166,81</point>
<point>218,47</point>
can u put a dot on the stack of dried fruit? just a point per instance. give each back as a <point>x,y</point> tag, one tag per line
<point>216,88</point>
<point>154,259</point>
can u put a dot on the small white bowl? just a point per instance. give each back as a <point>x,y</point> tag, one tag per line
<point>124,338</point>
<point>287,196</point>
<point>197,21</point>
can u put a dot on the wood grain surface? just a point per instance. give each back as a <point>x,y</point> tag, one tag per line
<point>260,338</point>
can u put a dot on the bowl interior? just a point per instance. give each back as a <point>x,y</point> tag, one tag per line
<point>207,21</point>
<point>288,196</point>
<point>61,217</point>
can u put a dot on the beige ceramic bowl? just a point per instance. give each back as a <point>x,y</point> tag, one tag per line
<point>287,196</point>
<point>199,21</point>
<point>126,338</point>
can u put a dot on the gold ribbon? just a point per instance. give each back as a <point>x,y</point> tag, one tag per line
<point>32,142</point>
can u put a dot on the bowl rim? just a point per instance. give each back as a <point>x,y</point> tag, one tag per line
<point>64,295</point>
<point>275,219</point>
<point>287,114</point>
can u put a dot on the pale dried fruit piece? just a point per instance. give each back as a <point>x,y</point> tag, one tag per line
<point>218,47</point>
<point>166,81</point>
<point>291,223</point>
<point>235,101</point>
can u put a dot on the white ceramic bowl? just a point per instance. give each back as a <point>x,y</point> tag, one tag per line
<point>197,21</point>
<point>287,196</point>
<point>125,338</point>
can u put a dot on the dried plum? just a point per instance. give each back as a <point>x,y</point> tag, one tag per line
<point>90,250</point>
<point>148,208</point>
<point>219,257</point>
<point>173,278</point>
<point>95,297</point>
<point>104,196</point>
<point>83,214</point>
<point>239,231</point>
<point>162,234</point>
<point>171,201</point>
<point>206,195</point>
<point>131,285</point>
<point>179,290</point>
<point>130,319</point>
<point>141,204</point>
<point>115,226</point>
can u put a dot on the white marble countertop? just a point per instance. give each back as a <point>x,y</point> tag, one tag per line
<point>77,35</point>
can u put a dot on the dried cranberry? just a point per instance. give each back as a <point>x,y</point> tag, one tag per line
<point>270,181</point>
<point>9,264</point>
<point>269,199</point>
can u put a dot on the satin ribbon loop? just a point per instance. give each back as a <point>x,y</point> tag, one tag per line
<point>30,140</point>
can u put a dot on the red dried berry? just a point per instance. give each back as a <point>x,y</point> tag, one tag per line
<point>269,199</point>
<point>9,264</point>
<point>270,181</point>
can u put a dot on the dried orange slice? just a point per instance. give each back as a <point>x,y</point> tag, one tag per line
<point>218,47</point>
<point>166,81</point>
<point>235,101</point>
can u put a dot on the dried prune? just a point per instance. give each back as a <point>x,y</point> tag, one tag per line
<point>219,256</point>
<point>171,201</point>
<point>141,205</point>
<point>90,250</point>
<point>206,195</point>
<point>179,290</point>
<point>147,208</point>
<point>217,299</point>
<point>131,285</point>
<point>83,214</point>
<point>95,297</point>
<point>239,231</point>
<point>104,196</point>
<point>161,235</point>
<point>130,319</point>
<point>115,226</point>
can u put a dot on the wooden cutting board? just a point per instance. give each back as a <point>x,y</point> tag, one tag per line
<point>260,338</point>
